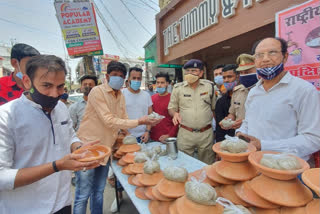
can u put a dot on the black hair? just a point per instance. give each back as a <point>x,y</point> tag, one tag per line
<point>165,75</point>
<point>135,69</point>
<point>229,67</point>
<point>20,51</point>
<point>218,66</point>
<point>50,62</point>
<point>284,45</point>
<point>91,77</point>
<point>116,66</point>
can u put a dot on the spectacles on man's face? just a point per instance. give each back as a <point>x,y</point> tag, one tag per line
<point>272,53</point>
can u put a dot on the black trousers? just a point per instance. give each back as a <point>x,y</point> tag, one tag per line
<point>65,210</point>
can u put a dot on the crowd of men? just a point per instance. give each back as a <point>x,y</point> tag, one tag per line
<point>271,109</point>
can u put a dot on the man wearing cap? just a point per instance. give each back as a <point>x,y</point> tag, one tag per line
<point>248,78</point>
<point>11,87</point>
<point>191,105</point>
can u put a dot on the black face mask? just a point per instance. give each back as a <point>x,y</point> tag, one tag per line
<point>86,91</point>
<point>43,100</point>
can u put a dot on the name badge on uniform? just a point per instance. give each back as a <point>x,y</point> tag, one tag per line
<point>187,95</point>
<point>204,93</point>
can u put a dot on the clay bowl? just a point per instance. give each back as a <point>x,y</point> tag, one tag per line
<point>240,171</point>
<point>186,206</point>
<point>159,207</point>
<point>129,148</point>
<point>311,178</point>
<point>233,157</point>
<point>214,176</point>
<point>244,191</point>
<point>293,210</point>
<point>121,163</point>
<point>130,180</point>
<point>291,193</point>
<point>148,193</point>
<point>119,153</point>
<point>256,210</point>
<point>173,209</point>
<point>128,158</point>
<point>139,192</point>
<point>95,152</point>
<point>135,181</point>
<point>136,168</point>
<point>150,180</point>
<point>228,191</point>
<point>116,156</point>
<point>255,158</point>
<point>313,207</point>
<point>125,170</point>
<point>158,196</point>
<point>197,174</point>
<point>171,189</point>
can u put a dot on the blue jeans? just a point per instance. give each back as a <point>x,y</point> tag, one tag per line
<point>90,183</point>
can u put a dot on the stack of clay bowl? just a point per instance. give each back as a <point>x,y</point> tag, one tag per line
<point>129,145</point>
<point>169,188</point>
<point>232,169</point>
<point>280,190</point>
<point>199,198</point>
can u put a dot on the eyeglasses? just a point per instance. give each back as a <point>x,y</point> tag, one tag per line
<point>269,53</point>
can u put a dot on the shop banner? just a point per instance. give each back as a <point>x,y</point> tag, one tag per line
<point>299,26</point>
<point>106,59</point>
<point>79,27</point>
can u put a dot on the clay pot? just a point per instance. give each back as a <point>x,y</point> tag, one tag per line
<point>148,193</point>
<point>291,193</point>
<point>130,180</point>
<point>214,176</point>
<point>150,180</point>
<point>228,191</point>
<point>233,157</point>
<point>171,189</point>
<point>129,148</point>
<point>139,192</point>
<point>136,168</point>
<point>186,206</point>
<point>128,158</point>
<point>121,163</point>
<point>197,174</point>
<point>245,192</point>
<point>313,207</point>
<point>173,209</point>
<point>158,196</point>
<point>256,210</point>
<point>94,152</point>
<point>311,178</point>
<point>135,181</point>
<point>240,171</point>
<point>293,210</point>
<point>255,157</point>
<point>159,207</point>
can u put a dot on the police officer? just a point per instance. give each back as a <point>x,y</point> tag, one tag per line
<point>248,78</point>
<point>191,105</point>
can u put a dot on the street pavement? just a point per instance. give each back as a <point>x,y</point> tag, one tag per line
<point>109,195</point>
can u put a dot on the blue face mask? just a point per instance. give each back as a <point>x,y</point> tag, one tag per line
<point>116,82</point>
<point>161,90</point>
<point>135,85</point>
<point>230,85</point>
<point>271,72</point>
<point>248,80</point>
<point>218,80</point>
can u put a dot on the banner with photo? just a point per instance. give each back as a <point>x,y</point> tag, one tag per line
<point>79,27</point>
<point>300,27</point>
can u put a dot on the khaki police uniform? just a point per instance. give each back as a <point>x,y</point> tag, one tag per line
<point>195,107</point>
<point>238,100</point>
